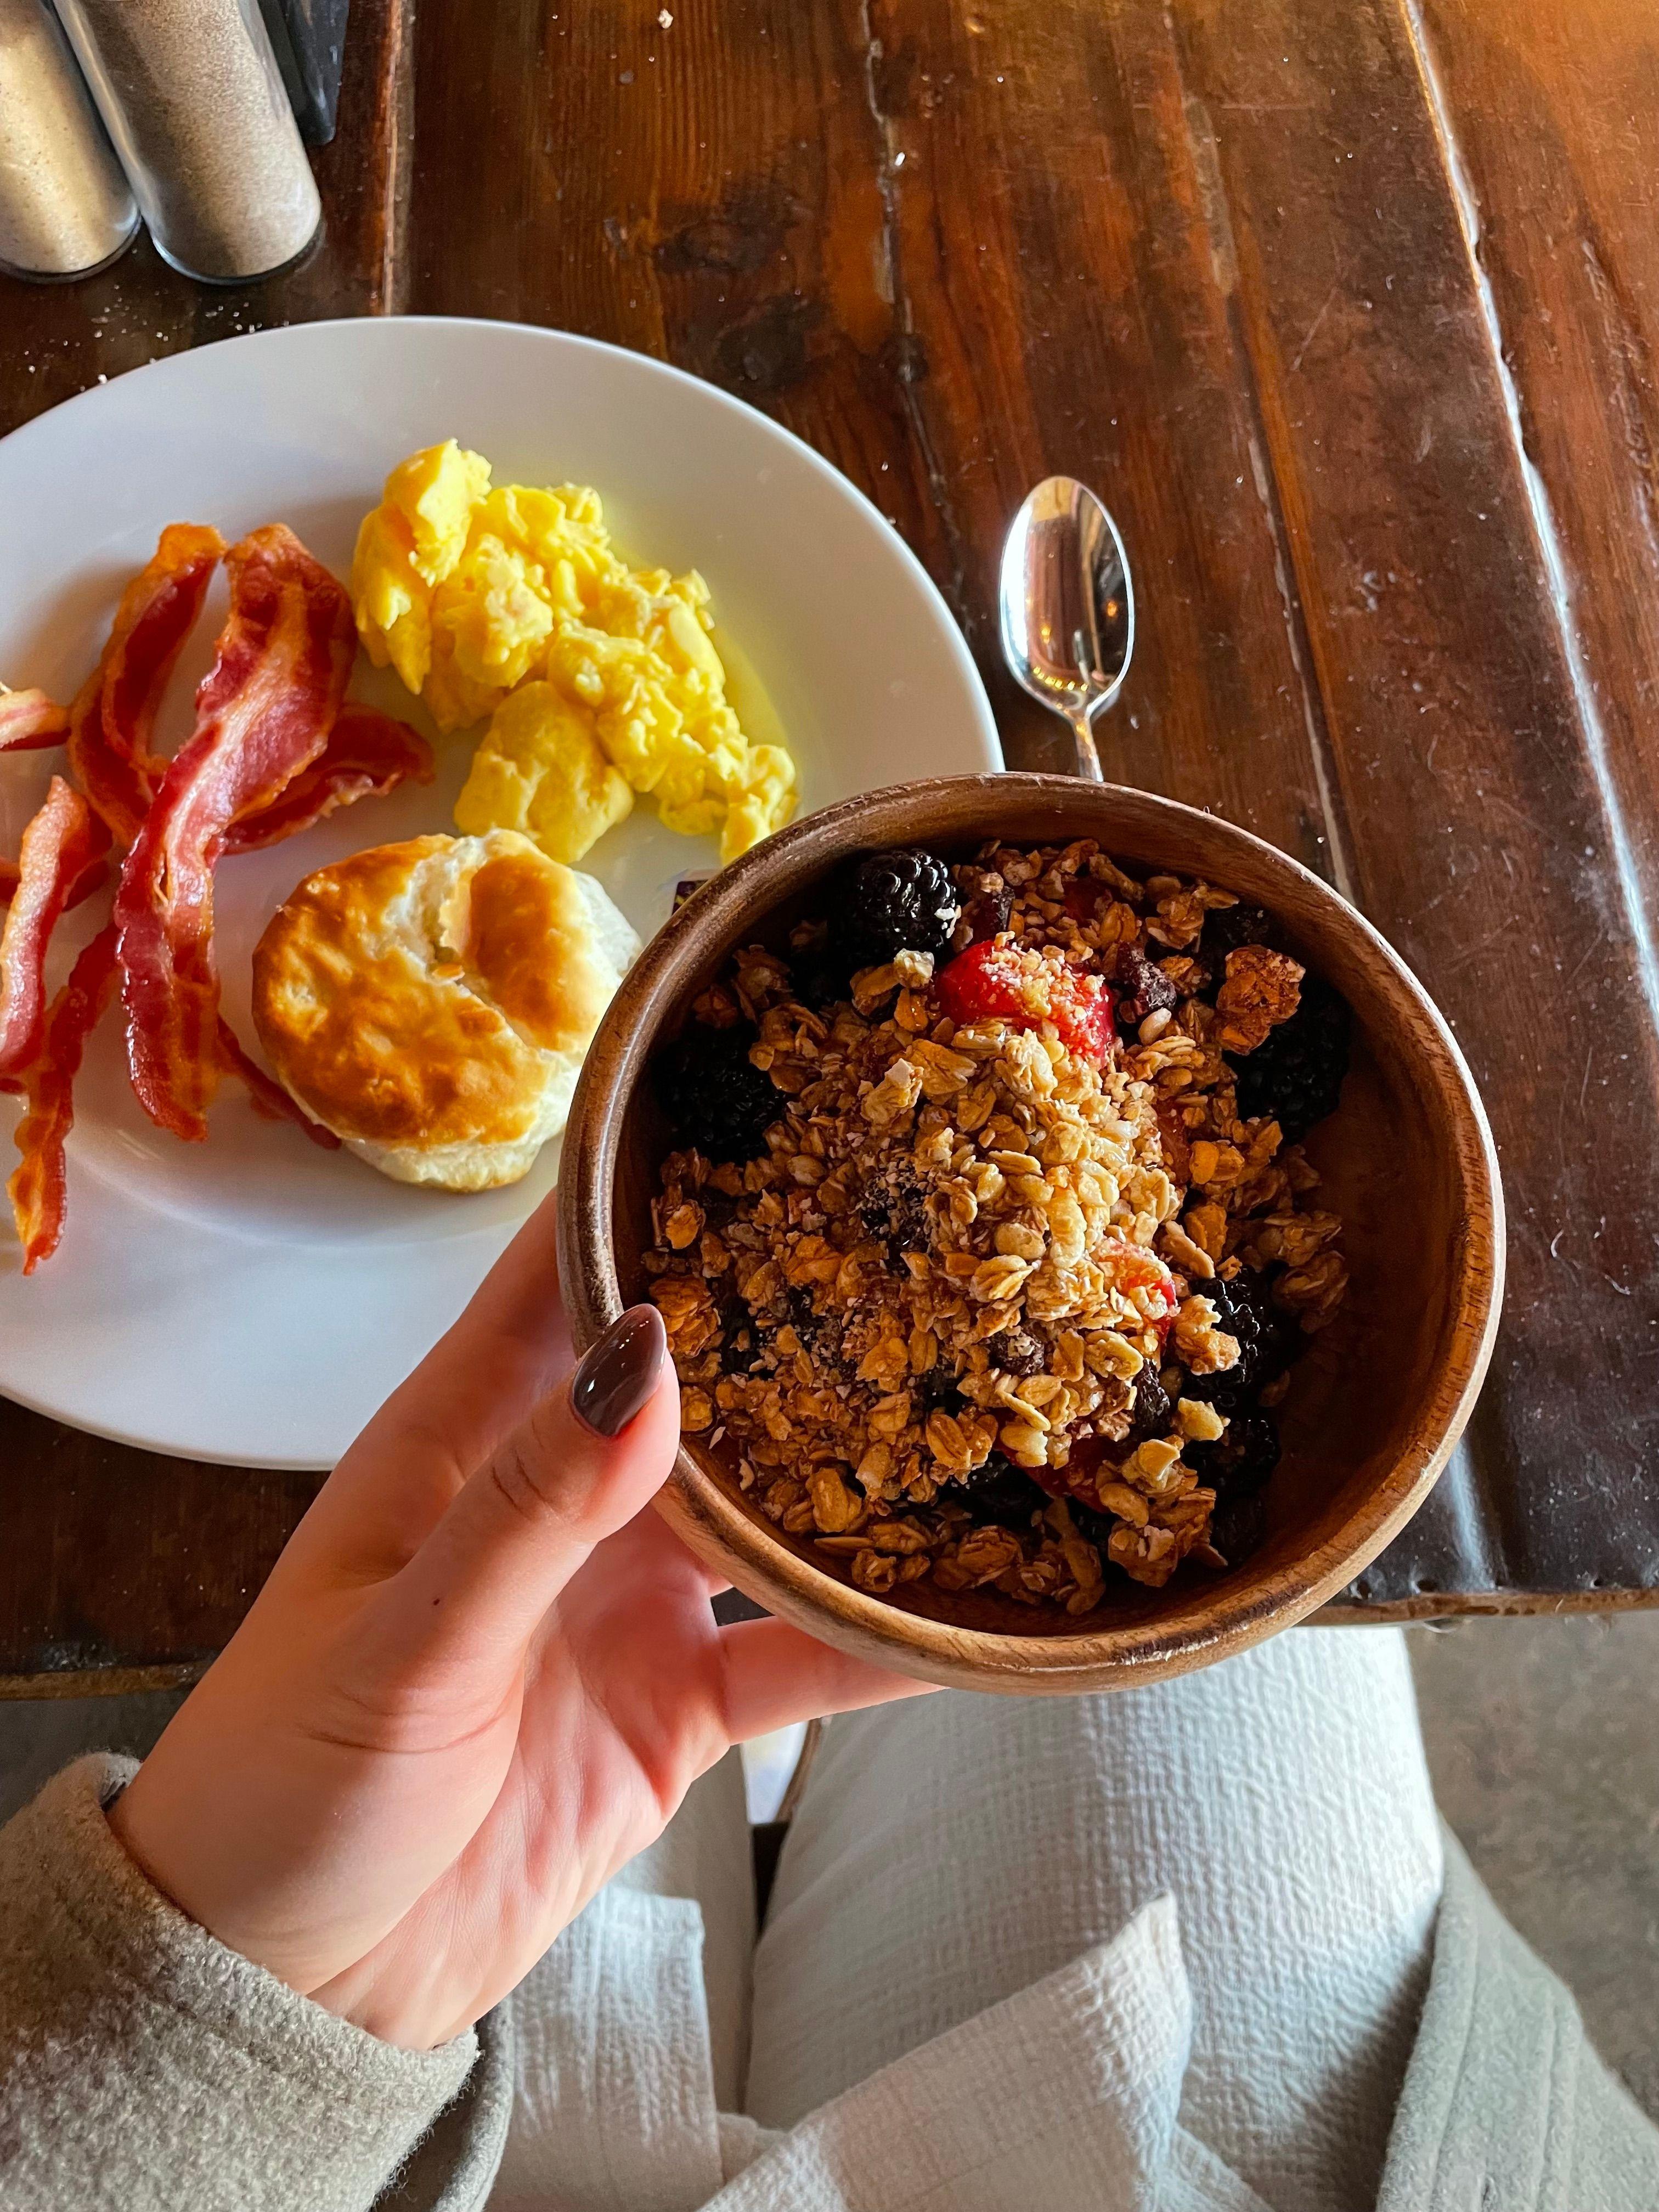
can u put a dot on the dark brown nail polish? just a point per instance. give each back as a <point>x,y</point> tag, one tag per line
<point>618,1374</point>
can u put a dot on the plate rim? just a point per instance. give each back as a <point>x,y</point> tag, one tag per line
<point>180,365</point>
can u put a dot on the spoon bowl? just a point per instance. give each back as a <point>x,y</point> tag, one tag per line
<point>1067,607</point>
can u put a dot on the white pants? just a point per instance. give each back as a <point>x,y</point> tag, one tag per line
<point>950,1852</point>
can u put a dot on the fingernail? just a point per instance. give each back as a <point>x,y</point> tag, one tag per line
<point>619,1373</point>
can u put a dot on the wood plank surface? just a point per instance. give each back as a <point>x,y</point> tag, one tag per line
<point>1218,262</point>
<point>1485,838</point>
<point>1351,316</point>
<point>121,1568</point>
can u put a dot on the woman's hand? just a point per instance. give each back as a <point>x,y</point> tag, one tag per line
<point>479,1679</point>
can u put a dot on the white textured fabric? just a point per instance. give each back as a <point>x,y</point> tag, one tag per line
<point>929,1984</point>
<point>1062,2097</point>
<point>949,1854</point>
<point>630,2037</point>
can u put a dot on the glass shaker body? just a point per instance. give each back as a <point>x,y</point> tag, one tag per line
<point>191,94</point>
<point>65,208</point>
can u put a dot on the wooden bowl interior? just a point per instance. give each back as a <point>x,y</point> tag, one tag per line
<point>1374,1401</point>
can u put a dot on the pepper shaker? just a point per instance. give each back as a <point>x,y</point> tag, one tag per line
<point>191,94</point>
<point>65,209</point>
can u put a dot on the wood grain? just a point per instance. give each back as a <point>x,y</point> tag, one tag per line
<point>124,1567</point>
<point>1481,835</point>
<point>1351,316</point>
<point>1374,1409</point>
<point>60,338</point>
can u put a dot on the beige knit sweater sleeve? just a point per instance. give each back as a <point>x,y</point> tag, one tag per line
<point>143,2065</point>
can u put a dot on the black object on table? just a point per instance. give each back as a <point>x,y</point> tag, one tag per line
<point>309,38</point>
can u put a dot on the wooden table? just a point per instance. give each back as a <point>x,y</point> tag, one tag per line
<point>1352,313</point>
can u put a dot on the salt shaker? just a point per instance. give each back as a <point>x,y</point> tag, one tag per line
<point>191,94</point>
<point>65,209</point>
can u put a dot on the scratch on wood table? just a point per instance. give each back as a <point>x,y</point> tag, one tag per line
<point>1352,316</point>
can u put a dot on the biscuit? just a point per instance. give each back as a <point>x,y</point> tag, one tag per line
<point>431,1002</point>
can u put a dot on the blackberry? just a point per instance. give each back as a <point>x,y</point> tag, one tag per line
<point>903,901</point>
<point>1268,1341</point>
<point>1239,1464</point>
<point>820,982</point>
<point>715,1099</point>
<point>1152,1411</point>
<point>1094,1526</point>
<point>1145,987</point>
<point>998,1491</point>
<point>1237,1526</point>
<point>1295,1077</point>
<point>1016,1351</point>
<point>1227,927</point>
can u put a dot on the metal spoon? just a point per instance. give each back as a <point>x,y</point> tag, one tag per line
<point>1067,607</point>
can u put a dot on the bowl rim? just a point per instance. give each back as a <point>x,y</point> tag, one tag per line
<point>726,1535</point>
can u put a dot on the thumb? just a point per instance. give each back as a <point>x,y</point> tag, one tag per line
<point>582,1463</point>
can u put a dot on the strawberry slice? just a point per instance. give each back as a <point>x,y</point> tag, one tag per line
<point>1146,1278</point>
<point>1002,980</point>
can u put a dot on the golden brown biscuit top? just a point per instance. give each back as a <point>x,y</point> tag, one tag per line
<point>528,945</point>
<point>409,998</point>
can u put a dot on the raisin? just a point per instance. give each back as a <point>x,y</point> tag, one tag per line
<point>1016,1351</point>
<point>988,913</point>
<point>1145,988</point>
<point>1152,1411</point>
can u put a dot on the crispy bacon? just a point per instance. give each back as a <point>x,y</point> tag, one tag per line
<point>263,713</point>
<point>37,1189</point>
<point>96,876</point>
<point>268,1098</point>
<point>63,845</point>
<point>30,721</point>
<point>113,716</point>
<point>368,754</point>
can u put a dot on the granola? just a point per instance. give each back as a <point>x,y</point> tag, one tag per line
<point>1001,1295</point>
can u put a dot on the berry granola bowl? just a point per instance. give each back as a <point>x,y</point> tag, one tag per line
<point>1079,1236</point>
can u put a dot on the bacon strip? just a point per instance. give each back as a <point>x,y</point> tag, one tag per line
<point>368,754</point>
<point>113,715</point>
<point>63,846</point>
<point>263,713</point>
<point>96,876</point>
<point>268,1098</point>
<point>37,1189</point>
<point>29,722</point>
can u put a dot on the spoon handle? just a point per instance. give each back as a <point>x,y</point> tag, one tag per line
<point>1088,760</point>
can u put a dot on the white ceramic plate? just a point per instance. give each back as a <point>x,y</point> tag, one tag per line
<point>253,1299</point>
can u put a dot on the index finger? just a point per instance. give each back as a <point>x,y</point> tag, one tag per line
<point>507,1352</point>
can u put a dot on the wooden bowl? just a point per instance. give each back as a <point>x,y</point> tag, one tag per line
<point>1374,1405</point>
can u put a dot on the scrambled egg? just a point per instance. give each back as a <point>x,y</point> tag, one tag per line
<point>600,681</point>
